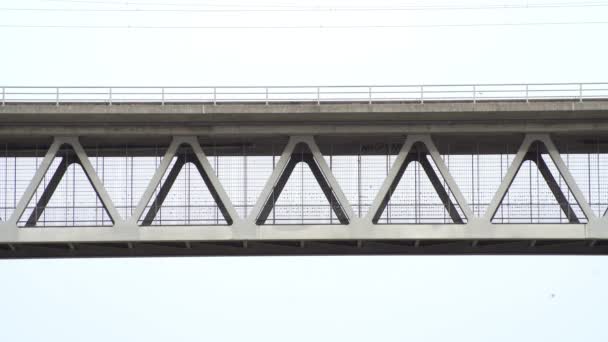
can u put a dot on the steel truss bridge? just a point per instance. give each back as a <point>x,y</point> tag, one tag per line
<point>433,169</point>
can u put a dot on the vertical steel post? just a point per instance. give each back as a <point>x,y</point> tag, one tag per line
<point>474,94</point>
<point>318,95</point>
<point>110,96</point>
<point>580,92</point>
<point>162,101</point>
<point>57,96</point>
<point>3,96</point>
<point>370,95</point>
<point>421,94</point>
<point>214,95</point>
<point>527,98</point>
<point>266,95</point>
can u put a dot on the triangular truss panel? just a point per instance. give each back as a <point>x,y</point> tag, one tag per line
<point>65,192</point>
<point>302,201</point>
<point>451,205</point>
<point>539,149</point>
<point>302,190</point>
<point>539,193</point>
<point>418,193</point>
<point>185,191</point>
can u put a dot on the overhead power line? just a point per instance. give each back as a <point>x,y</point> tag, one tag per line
<point>172,4</point>
<point>277,5</point>
<point>317,9</point>
<point>301,27</point>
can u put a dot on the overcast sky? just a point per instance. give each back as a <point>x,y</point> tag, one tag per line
<point>304,298</point>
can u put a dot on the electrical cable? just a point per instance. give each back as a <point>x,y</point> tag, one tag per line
<point>303,27</point>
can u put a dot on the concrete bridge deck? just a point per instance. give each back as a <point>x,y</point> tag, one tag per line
<point>303,118</point>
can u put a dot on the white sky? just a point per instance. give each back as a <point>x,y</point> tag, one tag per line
<point>313,298</point>
<point>546,53</point>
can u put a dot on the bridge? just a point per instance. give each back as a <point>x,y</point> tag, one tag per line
<point>311,170</point>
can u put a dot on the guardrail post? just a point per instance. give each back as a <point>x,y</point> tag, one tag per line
<point>57,96</point>
<point>214,95</point>
<point>527,98</point>
<point>318,95</point>
<point>580,92</point>
<point>266,95</point>
<point>110,97</point>
<point>421,94</point>
<point>3,96</point>
<point>162,101</point>
<point>474,94</point>
<point>370,94</point>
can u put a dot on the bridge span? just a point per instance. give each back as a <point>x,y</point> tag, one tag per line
<point>168,171</point>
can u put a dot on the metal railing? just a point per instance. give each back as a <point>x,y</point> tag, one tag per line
<point>307,94</point>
